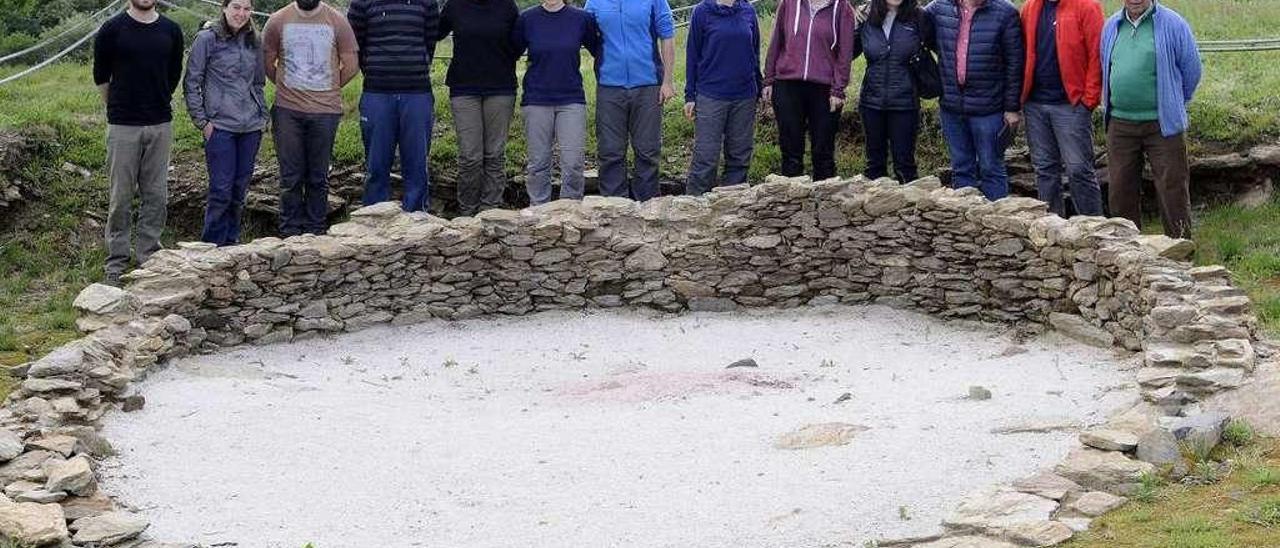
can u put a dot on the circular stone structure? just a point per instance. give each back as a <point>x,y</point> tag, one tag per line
<point>606,429</point>
<point>763,254</point>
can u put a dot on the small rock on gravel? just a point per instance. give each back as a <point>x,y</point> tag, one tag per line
<point>133,403</point>
<point>748,362</point>
<point>979,393</point>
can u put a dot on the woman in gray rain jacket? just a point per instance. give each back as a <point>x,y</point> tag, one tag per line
<point>223,86</point>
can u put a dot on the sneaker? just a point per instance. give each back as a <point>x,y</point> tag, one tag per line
<point>113,280</point>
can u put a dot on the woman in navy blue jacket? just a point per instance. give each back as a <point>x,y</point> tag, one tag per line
<point>722,88</point>
<point>894,32</point>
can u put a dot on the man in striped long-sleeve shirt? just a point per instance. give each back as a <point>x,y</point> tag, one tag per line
<point>397,41</point>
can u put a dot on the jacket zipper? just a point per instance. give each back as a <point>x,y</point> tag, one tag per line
<point>808,44</point>
<point>888,48</point>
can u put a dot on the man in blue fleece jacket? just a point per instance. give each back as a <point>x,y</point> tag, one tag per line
<point>635,79</point>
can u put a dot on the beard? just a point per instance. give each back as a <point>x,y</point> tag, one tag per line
<point>305,5</point>
<point>143,5</point>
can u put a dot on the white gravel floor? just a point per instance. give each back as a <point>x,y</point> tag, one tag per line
<point>599,429</point>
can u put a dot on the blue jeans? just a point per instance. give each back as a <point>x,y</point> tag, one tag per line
<point>304,148</point>
<point>391,121</point>
<point>230,158</point>
<point>977,156</point>
<point>1063,134</point>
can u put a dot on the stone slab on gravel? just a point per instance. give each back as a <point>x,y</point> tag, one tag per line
<point>967,542</point>
<point>110,528</point>
<point>1019,517</point>
<point>617,428</point>
<point>1047,485</point>
<point>1096,503</point>
<point>1103,470</point>
<point>1109,440</point>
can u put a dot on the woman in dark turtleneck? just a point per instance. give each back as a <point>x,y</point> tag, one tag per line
<point>482,94</point>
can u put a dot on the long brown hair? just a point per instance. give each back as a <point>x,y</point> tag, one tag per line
<point>251,32</point>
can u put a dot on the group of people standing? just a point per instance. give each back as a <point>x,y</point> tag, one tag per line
<point>1052,63</point>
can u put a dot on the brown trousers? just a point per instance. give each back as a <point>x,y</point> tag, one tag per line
<point>1127,144</point>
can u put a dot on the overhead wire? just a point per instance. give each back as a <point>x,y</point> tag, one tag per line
<point>65,51</point>
<point>65,32</point>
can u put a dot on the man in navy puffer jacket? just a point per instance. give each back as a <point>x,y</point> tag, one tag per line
<point>982,55</point>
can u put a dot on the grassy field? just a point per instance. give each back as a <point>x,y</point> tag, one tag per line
<point>53,248</point>
<point>1239,509</point>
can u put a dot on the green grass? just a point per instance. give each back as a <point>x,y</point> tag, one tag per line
<point>1248,242</point>
<point>53,248</point>
<point>1237,512</point>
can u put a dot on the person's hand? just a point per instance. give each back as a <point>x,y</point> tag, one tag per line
<point>837,103</point>
<point>1012,119</point>
<point>766,95</point>
<point>208,131</point>
<point>666,93</point>
<point>688,110</point>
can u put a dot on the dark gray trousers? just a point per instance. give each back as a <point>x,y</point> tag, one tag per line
<point>482,124</point>
<point>721,125</point>
<point>628,116</point>
<point>138,161</point>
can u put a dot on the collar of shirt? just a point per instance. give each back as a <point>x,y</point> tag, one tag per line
<point>1138,22</point>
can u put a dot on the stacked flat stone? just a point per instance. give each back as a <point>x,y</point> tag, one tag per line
<point>783,243</point>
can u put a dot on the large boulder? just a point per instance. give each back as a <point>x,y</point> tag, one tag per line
<point>74,476</point>
<point>1160,448</point>
<point>10,445</point>
<point>33,524</point>
<point>1201,432</point>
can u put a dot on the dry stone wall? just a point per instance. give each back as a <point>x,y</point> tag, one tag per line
<point>783,243</point>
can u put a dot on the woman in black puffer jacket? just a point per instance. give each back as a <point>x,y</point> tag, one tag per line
<point>894,32</point>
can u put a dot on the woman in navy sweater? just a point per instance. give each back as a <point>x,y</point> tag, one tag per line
<point>722,88</point>
<point>895,31</point>
<point>554,105</point>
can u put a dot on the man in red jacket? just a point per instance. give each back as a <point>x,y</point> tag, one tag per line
<point>1062,86</point>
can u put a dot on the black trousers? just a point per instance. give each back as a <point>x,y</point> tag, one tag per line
<point>891,130</point>
<point>805,108</point>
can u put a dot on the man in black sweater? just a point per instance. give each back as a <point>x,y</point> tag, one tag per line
<point>137,64</point>
<point>397,40</point>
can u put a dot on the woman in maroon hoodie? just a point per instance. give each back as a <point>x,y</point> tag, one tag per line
<point>805,74</point>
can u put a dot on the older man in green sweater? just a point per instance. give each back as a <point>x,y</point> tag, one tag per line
<point>1150,70</point>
